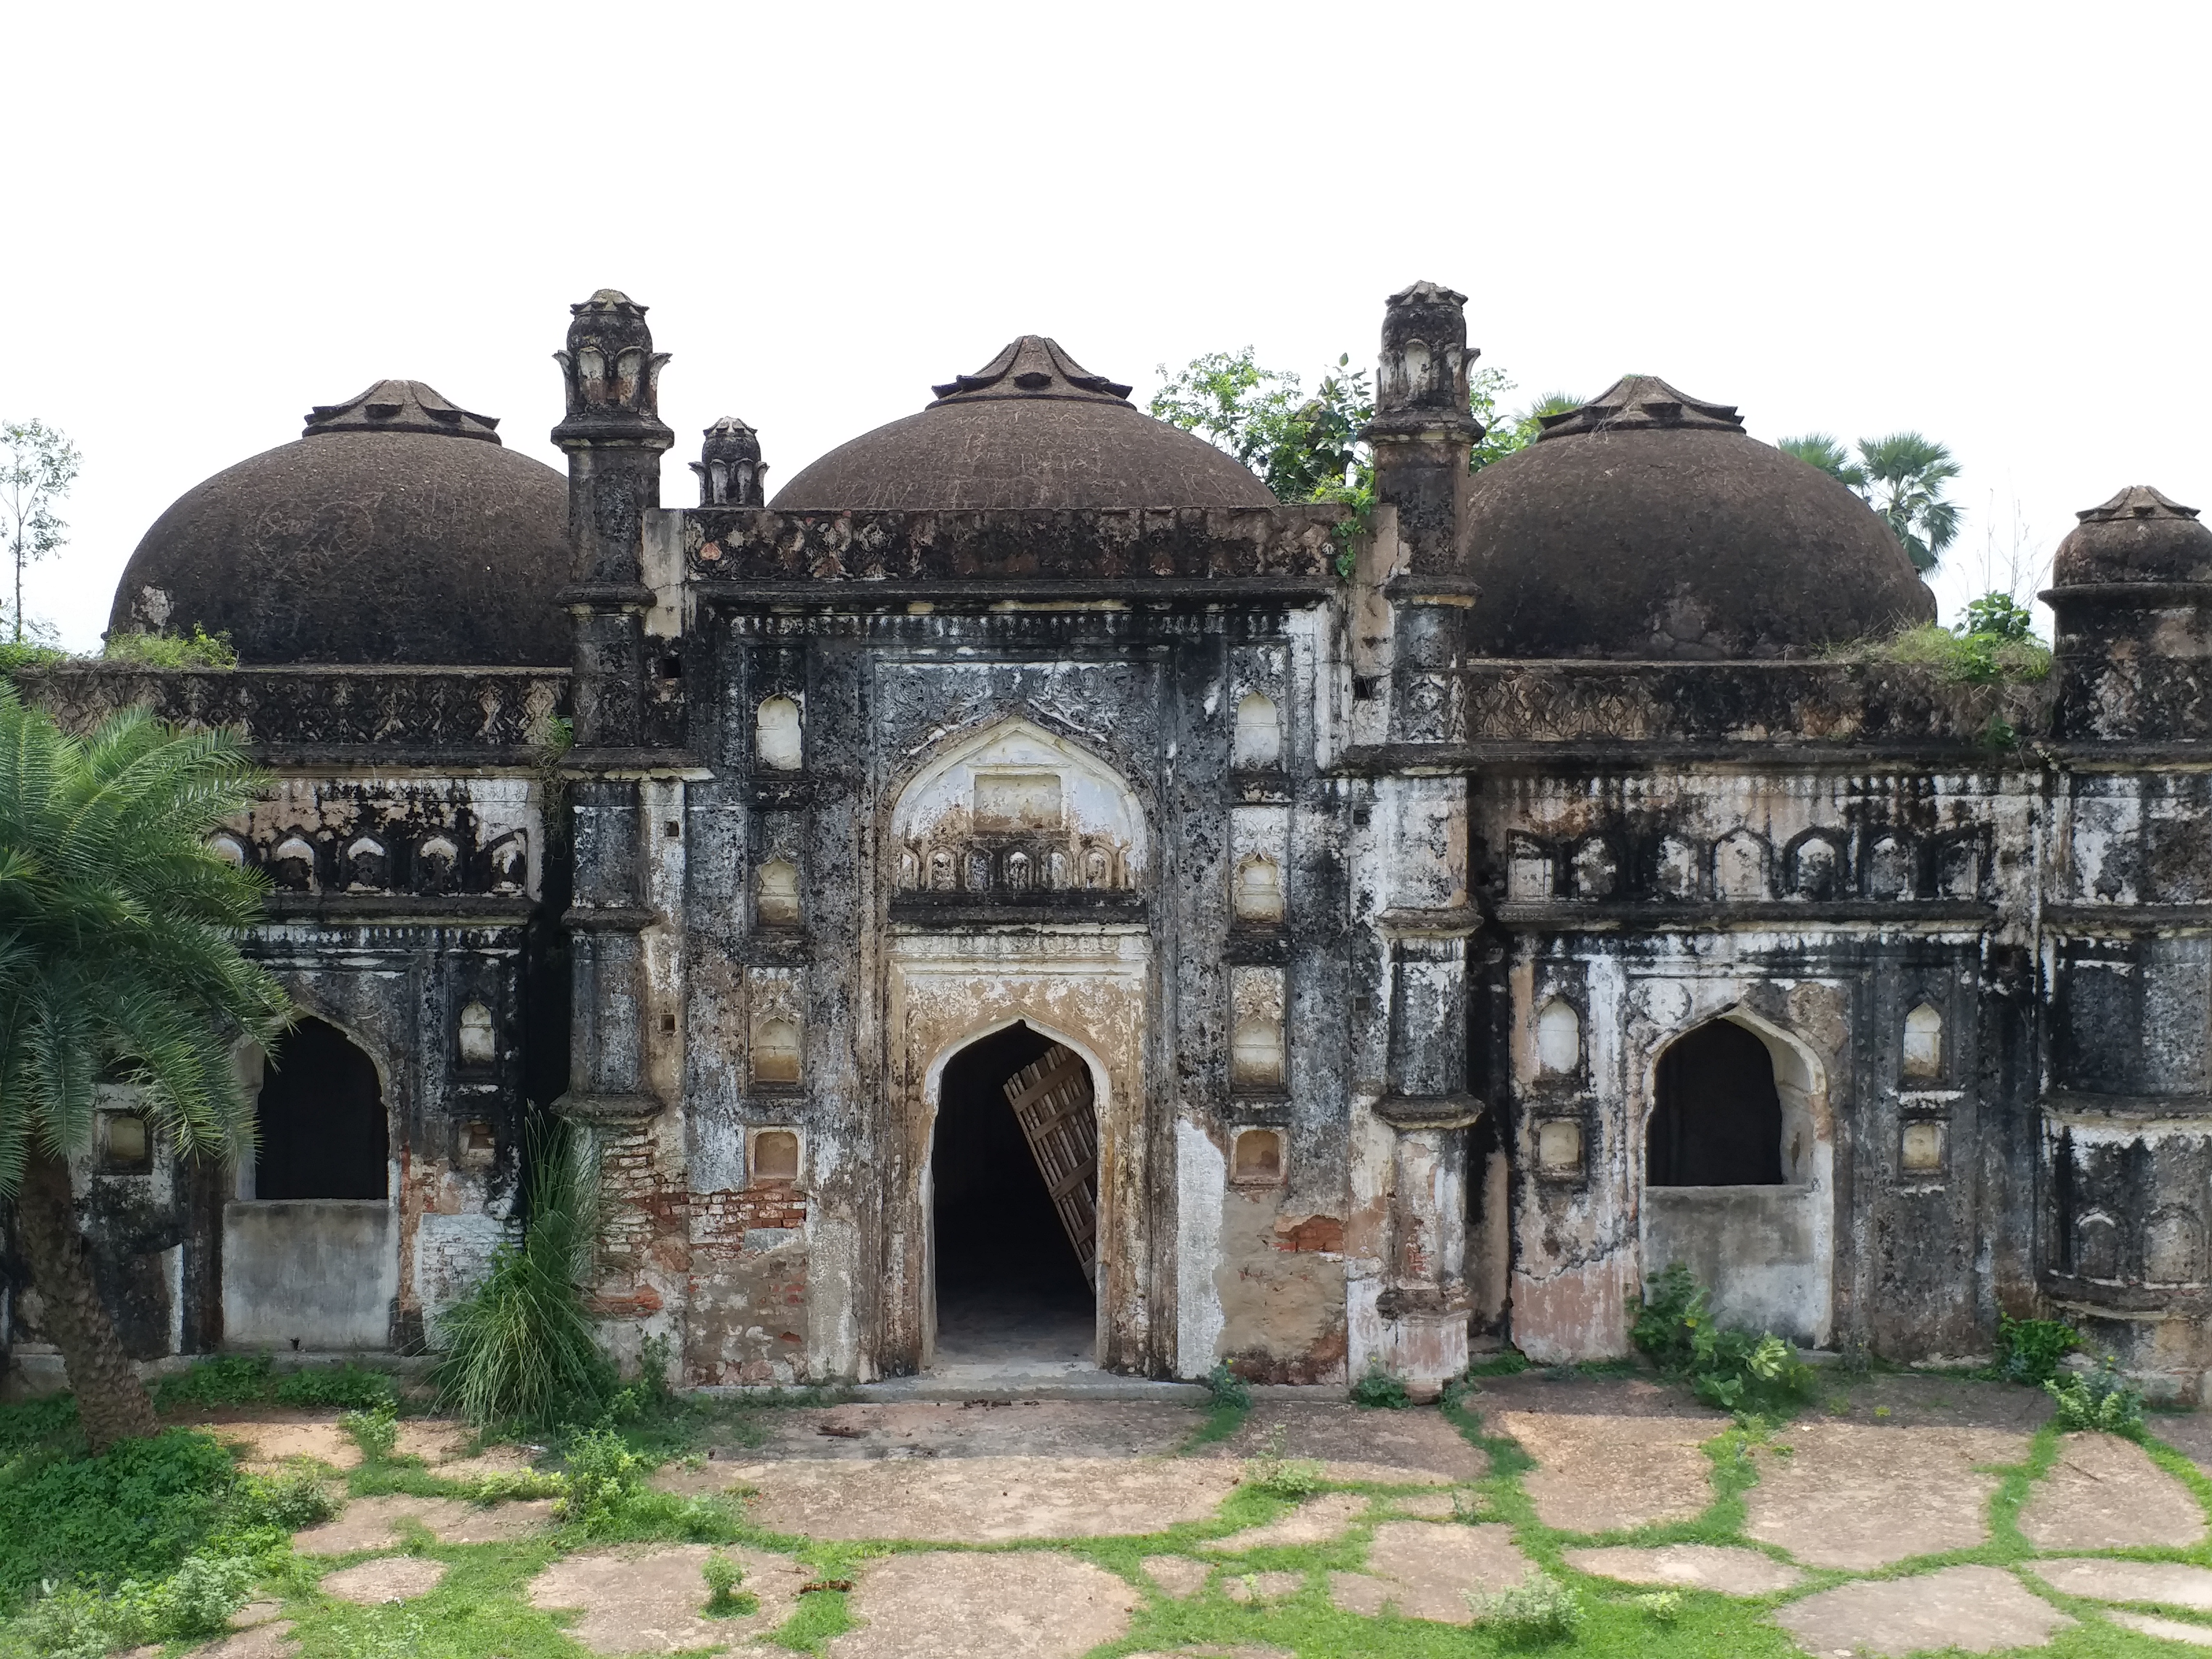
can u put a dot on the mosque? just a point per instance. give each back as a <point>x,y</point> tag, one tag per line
<point>1022,894</point>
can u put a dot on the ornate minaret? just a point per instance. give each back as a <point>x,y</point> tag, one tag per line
<point>1415,590</point>
<point>614,438</point>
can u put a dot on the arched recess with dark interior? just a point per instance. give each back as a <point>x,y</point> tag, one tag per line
<point>1014,1184</point>
<point>321,1119</point>
<point>1738,1173</point>
<point>1716,1115</point>
<point>310,1254</point>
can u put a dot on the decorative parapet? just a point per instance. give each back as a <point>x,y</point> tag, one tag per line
<point>310,714</point>
<point>1490,705</point>
<point>1290,548</point>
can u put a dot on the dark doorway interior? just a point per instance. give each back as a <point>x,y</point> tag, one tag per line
<point>1717,1121</point>
<point>1009,1288</point>
<point>323,1132</point>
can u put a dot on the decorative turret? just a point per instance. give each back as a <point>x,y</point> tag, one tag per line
<point>613,372</point>
<point>730,469</point>
<point>1421,434</point>
<point>1420,383</point>
<point>2133,603</point>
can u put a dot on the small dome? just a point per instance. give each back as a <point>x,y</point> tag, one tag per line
<point>2138,536</point>
<point>398,529</point>
<point>1032,427</point>
<point>1647,524</point>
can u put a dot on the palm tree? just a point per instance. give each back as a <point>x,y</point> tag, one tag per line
<point>1905,474</point>
<point>119,960</point>
<point>1826,451</point>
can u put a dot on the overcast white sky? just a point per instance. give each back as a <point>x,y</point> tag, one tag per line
<point>1984,221</point>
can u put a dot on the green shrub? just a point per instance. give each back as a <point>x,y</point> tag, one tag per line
<point>1379,1389</point>
<point>231,1379</point>
<point>1734,1370</point>
<point>284,1503</point>
<point>1540,1608</point>
<point>520,1348</point>
<point>724,1599</point>
<point>347,1385</point>
<point>2029,1350</point>
<point>1663,1606</point>
<point>1227,1389</point>
<point>376,1431</point>
<point>2102,1399</point>
<point>138,1512</point>
<point>74,1621</point>
<point>602,1477</point>
<point>200,650</point>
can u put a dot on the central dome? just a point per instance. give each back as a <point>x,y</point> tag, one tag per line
<point>1031,428</point>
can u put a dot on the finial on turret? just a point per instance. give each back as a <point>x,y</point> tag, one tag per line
<point>612,373</point>
<point>1420,382</point>
<point>730,468</point>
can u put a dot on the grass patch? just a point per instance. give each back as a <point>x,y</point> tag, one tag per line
<point>251,1380</point>
<point>822,1616</point>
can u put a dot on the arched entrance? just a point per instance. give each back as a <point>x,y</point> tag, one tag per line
<point>310,1252</point>
<point>1014,1181</point>
<point>1738,1175</point>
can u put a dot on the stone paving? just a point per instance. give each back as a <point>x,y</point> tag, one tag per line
<point>1904,1468</point>
<point>2105,1493</point>
<point>1857,1496</point>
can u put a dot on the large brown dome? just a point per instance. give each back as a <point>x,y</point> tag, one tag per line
<point>2138,536</point>
<point>398,530</point>
<point>1030,429</point>
<point>1647,524</point>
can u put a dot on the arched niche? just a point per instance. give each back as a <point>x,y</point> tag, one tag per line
<point>777,740</point>
<point>1559,1038</point>
<point>1259,745</point>
<point>1747,1203</point>
<point>775,894</point>
<point>1923,1042</point>
<point>478,1040</point>
<point>1015,787</point>
<point>1258,895</point>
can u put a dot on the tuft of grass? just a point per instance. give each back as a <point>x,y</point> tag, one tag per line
<point>1538,1609</point>
<point>1962,659</point>
<point>520,1348</point>
<point>822,1616</point>
<point>198,649</point>
<point>1506,1362</point>
<point>1279,1476</point>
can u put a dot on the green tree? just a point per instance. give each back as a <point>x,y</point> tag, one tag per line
<point>1826,451</point>
<point>1506,434</point>
<point>1902,476</point>
<point>1906,475</point>
<point>1308,449</point>
<point>118,962</point>
<point>38,465</point>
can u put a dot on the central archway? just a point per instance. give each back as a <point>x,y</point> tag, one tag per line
<point>1738,1161</point>
<point>1013,1179</point>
